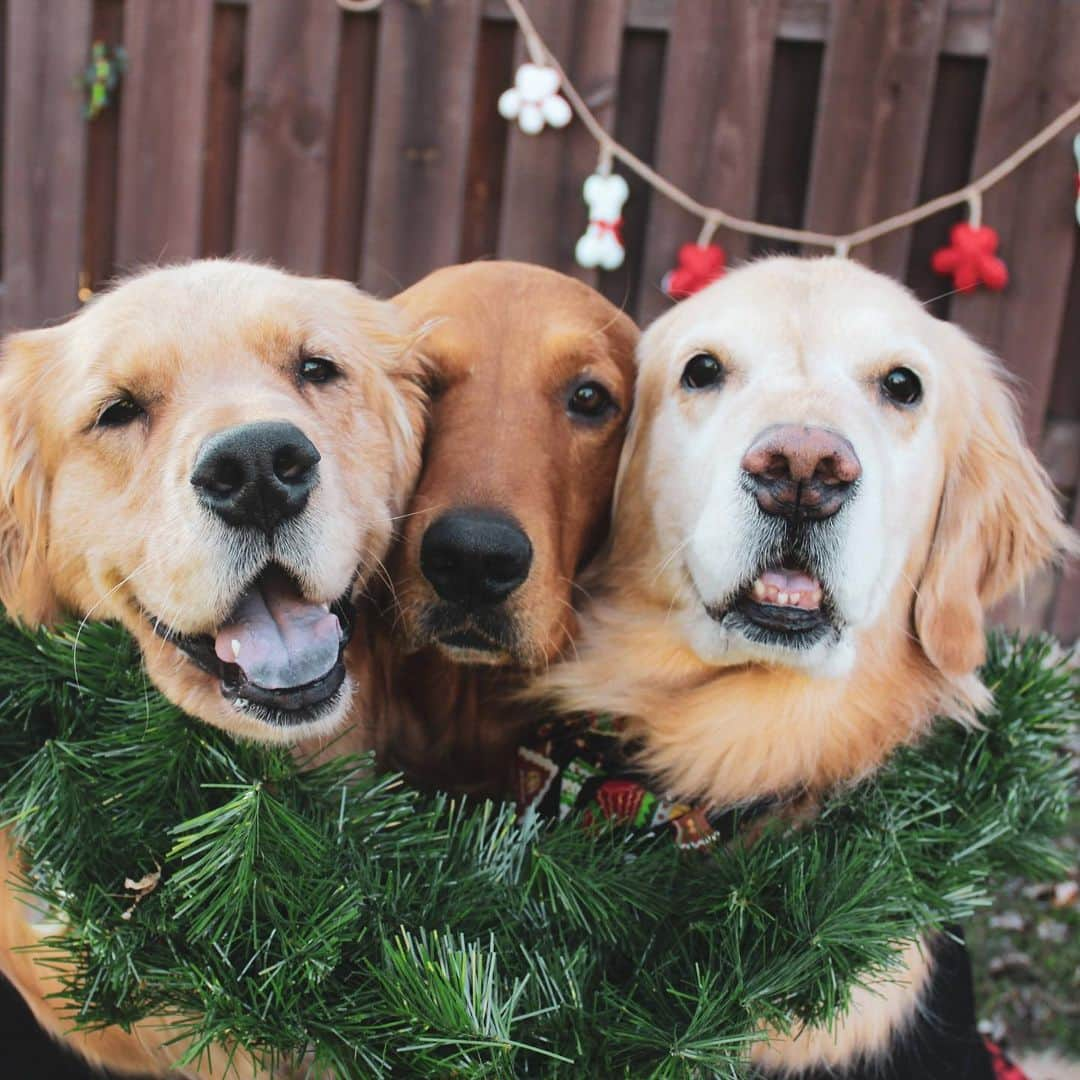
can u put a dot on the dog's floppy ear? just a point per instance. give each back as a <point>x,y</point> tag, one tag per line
<point>25,589</point>
<point>998,522</point>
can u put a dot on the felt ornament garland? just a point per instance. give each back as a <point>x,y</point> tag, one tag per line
<point>970,257</point>
<point>334,911</point>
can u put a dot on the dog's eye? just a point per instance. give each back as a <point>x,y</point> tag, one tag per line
<point>119,413</point>
<point>590,400</point>
<point>702,371</point>
<point>902,385</point>
<point>318,369</point>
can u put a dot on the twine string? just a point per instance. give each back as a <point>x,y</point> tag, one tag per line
<point>713,217</point>
<point>840,243</point>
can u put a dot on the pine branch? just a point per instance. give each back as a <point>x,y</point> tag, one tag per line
<point>331,909</point>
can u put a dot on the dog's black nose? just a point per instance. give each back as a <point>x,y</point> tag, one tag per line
<point>256,474</point>
<point>801,472</point>
<point>475,557</point>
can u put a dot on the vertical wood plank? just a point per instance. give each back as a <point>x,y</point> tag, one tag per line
<point>102,162</point>
<point>877,87</point>
<point>419,152</point>
<point>163,125</point>
<point>289,91</point>
<point>47,41</point>
<point>351,143</point>
<point>715,97</point>
<point>950,143</point>
<point>789,137</point>
<point>637,123</point>
<point>487,142</point>
<point>1032,76</point>
<point>543,212</point>
<point>221,161</point>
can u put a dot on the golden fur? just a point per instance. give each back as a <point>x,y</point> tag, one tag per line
<point>102,523</point>
<point>967,513</point>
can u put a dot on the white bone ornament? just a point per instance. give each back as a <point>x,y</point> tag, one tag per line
<point>601,245</point>
<point>534,100</point>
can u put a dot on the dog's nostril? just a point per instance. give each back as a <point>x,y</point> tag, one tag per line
<point>292,465</point>
<point>226,476</point>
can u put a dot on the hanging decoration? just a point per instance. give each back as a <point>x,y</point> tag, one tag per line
<point>699,265</point>
<point>971,256</point>
<point>601,245</point>
<point>102,77</point>
<point>534,100</point>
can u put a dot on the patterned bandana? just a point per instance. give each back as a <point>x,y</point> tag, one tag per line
<point>580,766</point>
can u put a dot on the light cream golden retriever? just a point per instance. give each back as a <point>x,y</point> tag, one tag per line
<point>212,455</point>
<point>823,489</point>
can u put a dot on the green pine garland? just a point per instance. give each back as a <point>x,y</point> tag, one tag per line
<point>332,909</point>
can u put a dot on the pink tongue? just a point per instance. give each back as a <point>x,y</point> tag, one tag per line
<point>278,638</point>
<point>790,581</point>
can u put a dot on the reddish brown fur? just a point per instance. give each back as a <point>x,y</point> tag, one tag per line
<point>506,341</point>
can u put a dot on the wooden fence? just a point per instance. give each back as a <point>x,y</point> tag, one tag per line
<point>369,147</point>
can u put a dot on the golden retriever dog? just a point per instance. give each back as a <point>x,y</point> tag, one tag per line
<point>823,490</point>
<point>212,455</point>
<point>533,377</point>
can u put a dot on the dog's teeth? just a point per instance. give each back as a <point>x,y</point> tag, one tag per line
<point>759,589</point>
<point>793,598</point>
<point>782,598</point>
<point>235,646</point>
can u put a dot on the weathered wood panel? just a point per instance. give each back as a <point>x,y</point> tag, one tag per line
<point>44,157</point>
<point>488,134</point>
<point>102,163</point>
<point>163,120</point>
<point>788,150</point>
<point>950,143</point>
<point>716,93</point>
<point>221,162</point>
<point>289,91</point>
<point>419,153</point>
<point>353,116</point>
<point>876,92</point>
<point>1032,76</point>
<point>637,124</point>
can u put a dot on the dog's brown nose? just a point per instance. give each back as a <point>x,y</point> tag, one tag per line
<point>801,472</point>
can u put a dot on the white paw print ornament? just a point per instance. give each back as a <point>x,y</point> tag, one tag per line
<point>534,100</point>
<point>601,246</point>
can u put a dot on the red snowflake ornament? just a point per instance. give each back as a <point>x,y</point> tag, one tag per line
<point>698,266</point>
<point>970,258</point>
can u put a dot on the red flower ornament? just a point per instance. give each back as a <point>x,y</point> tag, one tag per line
<point>970,258</point>
<point>698,266</point>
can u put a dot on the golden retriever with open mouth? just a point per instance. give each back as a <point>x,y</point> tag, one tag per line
<point>213,455</point>
<point>823,489</point>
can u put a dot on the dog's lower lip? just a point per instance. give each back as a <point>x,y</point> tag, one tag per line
<point>784,620</point>
<point>468,639</point>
